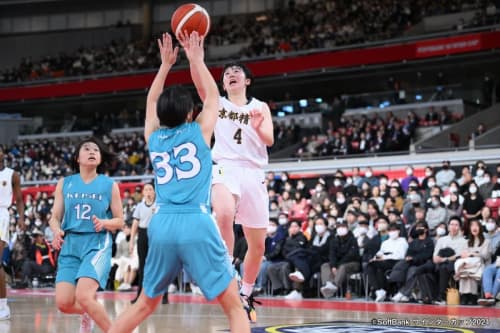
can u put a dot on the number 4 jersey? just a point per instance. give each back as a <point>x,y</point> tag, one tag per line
<point>82,201</point>
<point>183,168</point>
<point>236,141</point>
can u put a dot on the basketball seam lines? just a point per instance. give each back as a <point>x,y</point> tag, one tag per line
<point>188,15</point>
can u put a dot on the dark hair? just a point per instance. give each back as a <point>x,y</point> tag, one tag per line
<point>107,157</point>
<point>173,106</point>
<point>480,236</point>
<point>456,218</point>
<point>244,68</point>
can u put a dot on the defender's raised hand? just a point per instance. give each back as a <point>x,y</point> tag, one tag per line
<point>167,52</point>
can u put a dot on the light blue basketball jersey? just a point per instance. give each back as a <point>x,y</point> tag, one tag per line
<point>82,201</point>
<point>182,164</point>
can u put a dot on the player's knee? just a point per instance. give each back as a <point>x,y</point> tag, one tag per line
<point>65,304</point>
<point>84,298</point>
<point>225,217</point>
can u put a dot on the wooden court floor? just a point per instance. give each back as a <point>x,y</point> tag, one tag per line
<point>33,311</point>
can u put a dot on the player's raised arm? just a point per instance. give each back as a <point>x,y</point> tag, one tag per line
<point>168,57</point>
<point>203,80</point>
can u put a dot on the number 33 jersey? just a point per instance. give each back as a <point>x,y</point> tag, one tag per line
<point>84,200</point>
<point>236,141</point>
<point>183,168</point>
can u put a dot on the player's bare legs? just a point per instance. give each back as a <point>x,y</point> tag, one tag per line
<point>256,245</point>
<point>231,304</point>
<point>136,314</point>
<point>224,208</point>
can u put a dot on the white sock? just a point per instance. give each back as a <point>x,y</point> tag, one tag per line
<point>246,288</point>
<point>3,303</point>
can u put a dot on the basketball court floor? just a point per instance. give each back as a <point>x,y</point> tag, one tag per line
<point>34,311</point>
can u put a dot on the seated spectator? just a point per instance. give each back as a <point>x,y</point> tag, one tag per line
<point>445,176</point>
<point>127,262</point>
<point>447,250</point>
<point>418,261</point>
<point>278,272</point>
<point>405,182</point>
<point>491,280</point>
<point>436,213</point>
<point>344,260</point>
<point>391,251</point>
<point>486,188</point>
<point>470,266</point>
<point>473,202</point>
<point>272,253</point>
<point>40,260</point>
<point>308,261</point>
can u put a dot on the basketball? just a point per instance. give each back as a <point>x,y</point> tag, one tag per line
<point>190,17</point>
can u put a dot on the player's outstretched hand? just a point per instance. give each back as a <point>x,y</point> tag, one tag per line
<point>167,52</point>
<point>256,118</point>
<point>58,239</point>
<point>193,45</point>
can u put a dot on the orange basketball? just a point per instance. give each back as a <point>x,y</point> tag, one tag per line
<point>190,17</point>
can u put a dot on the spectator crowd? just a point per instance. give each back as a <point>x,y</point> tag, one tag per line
<point>407,239</point>
<point>298,26</point>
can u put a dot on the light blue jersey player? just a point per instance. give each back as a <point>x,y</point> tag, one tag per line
<point>183,232</point>
<point>87,206</point>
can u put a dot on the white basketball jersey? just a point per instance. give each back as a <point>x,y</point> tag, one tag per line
<point>235,138</point>
<point>6,187</point>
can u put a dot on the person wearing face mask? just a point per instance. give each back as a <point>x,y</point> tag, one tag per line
<point>369,178</point>
<point>418,261</point>
<point>272,253</point>
<point>350,189</point>
<point>447,249</point>
<point>278,272</point>
<point>405,182</point>
<point>487,186</point>
<point>429,176</point>
<point>341,202</point>
<point>391,251</point>
<point>319,194</point>
<point>436,213</point>
<point>308,261</point>
<point>343,260</point>
<point>473,202</point>
<point>490,228</point>
<point>480,177</point>
<point>337,186</point>
<point>441,231</point>
<point>445,176</point>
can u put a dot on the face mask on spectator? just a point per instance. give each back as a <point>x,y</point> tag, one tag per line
<point>340,200</point>
<point>271,229</point>
<point>487,179</point>
<point>319,228</point>
<point>348,181</point>
<point>393,234</point>
<point>409,172</point>
<point>490,226</point>
<point>336,183</point>
<point>38,223</point>
<point>368,174</point>
<point>472,189</point>
<point>435,203</point>
<point>453,189</point>
<point>319,188</point>
<point>428,173</point>
<point>383,181</point>
<point>480,172</point>
<point>341,231</point>
<point>363,230</point>
<point>430,184</point>
<point>440,231</point>
<point>282,220</point>
<point>420,231</point>
<point>284,178</point>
